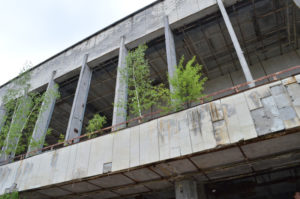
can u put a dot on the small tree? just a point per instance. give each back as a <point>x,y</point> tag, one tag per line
<point>142,94</point>
<point>22,109</point>
<point>187,82</point>
<point>96,123</point>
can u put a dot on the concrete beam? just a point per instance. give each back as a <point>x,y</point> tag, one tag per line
<point>16,127</point>
<point>79,102</point>
<point>297,2</point>
<point>121,91</point>
<point>44,117</point>
<point>186,189</point>
<point>170,48</point>
<point>236,44</point>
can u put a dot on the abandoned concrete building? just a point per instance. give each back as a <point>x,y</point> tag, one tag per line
<point>242,143</point>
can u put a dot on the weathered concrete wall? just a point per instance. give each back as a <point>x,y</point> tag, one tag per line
<point>138,28</point>
<point>259,111</point>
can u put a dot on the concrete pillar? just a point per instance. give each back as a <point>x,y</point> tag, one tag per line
<point>43,120</point>
<point>236,43</point>
<point>16,127</point>
<point>186,189</point>
<point>297,2</point>
<point>79,102</point>
<point>121,91</point>
<point>170,48</point>
<point>2,116</point>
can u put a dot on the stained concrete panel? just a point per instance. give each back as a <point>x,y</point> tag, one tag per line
<point>59,164</point>
<point>134,146</point>
<point>238,119</point>
<point>121,150</point>
<point>149,149</point>
<point>201,129</point>
<point>81,164</point>
<point>294,93</point>
<point>101,153</point>
<point>71,162</point>
<point>28,176</point>
<point>8,176</point>
<point>174,137</point>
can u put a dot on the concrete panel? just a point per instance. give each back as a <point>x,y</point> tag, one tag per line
<point>254,96</point>
<point>121,150</point>
<point>294,93</point>
<point>42,173</point>
<point>285,108</point>
<point>81,163</point>
<point>149,149</point>
<point>267,119</point>
<point>174,137</point>
<point>29,168</point>
<point>101,153</point>
<point>201,129</point>
<point>238,118</point>
<point>216,111</point>
<point>7,176</point>
<point>71,162</point>
<point>134,146</point>
<point>59,164</point>
<point>186,7</point>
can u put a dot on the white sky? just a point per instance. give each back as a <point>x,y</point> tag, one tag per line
<point>34,30</point>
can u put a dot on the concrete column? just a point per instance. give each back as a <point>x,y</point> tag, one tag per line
<point>170,48</point>
<point>297,2</point>
<point>121,91</point>
<point>44,117</point>
<point>186,189</point>
<point>2,116</point>
<point>16,127</point>
<point>236,43</point>
<point>79,102</point>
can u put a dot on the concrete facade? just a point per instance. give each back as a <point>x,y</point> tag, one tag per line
<point>239,132</point>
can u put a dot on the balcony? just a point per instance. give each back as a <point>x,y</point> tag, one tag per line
<point>241,134</point>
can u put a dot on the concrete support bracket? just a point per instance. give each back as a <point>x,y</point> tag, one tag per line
<point>43,120</point>
<point>79,102</point>
<point>236,44</point>
<point>121,91</point>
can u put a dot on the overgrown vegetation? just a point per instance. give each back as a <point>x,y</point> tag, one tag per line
<point>187,82</point>
<point>96,123</point>
<point>22,109</point>
<point>13,195</point>
<point>142,94</point>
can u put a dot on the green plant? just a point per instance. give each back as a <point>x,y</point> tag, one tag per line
<point>142,94</point>
<point>61,138</point>
<point>187,82</point>
<point>13,195</point>
<point>96,123</point>
<point>22,108</point>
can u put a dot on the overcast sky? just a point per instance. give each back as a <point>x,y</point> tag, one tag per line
<point>34,30</point>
